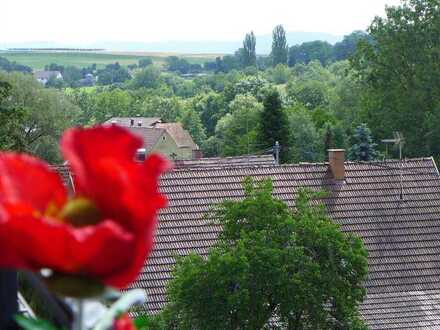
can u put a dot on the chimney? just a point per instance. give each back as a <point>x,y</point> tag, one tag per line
<point>336,159</point>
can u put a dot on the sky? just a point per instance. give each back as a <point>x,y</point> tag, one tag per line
<point>88,21</point>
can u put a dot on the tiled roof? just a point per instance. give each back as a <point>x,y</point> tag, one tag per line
<point>148,134</point>
<point>402,235</point>
<point>179,135</point>
<point>127,121</point>
<point>251,160</point>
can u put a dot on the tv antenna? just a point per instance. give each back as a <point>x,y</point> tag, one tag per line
<point>398,141</point>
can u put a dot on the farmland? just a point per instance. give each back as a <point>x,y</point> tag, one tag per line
<point>38,59</point>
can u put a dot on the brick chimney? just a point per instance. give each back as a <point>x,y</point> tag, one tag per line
<point>336,159</point>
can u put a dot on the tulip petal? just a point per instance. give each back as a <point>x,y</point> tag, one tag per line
<point>33,243</point>
<point>27,180</point>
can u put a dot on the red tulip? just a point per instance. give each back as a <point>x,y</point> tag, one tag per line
<point>105,231</point>
<point>124,323</point>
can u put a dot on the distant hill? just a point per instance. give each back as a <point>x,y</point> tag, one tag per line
<point>264,43</point>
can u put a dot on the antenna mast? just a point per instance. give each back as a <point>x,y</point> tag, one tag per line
<point>398,141</point>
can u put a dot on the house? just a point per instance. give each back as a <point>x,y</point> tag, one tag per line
<point>170,139</point>
<point>44,76</point>
<point>393,206</point>
<point>188,149</point>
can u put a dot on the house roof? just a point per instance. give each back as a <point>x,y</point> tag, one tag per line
<point>149,135</point>
<point>46,74</point>
<point>402,236</point>
<point>250,160</point>
<point>126,121</point>
<point>180,136</point>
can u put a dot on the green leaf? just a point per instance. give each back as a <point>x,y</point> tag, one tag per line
<point>34,324</point>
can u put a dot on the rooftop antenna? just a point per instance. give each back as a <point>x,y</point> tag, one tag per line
<point>277,152</point>
<point>398,141</point>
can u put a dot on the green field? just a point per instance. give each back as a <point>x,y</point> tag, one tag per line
<point>38,59</point>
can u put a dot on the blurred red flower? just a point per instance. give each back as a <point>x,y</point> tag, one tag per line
<point>124,323</point>
<point>105,231</point>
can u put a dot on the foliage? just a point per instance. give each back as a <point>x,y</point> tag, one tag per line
<point>249,54</point>
<point>191,121</point>
<point>304,141</point>
<point>211,107</point>
<point>347,47</point>
<point>317,50</point>
<point>9,66</point>
<point>363,148</point>
<point>236,132</point>
<point>113,73</point>
<point>36,116</point>
<point>273,124</point>
<point>296,269</point>
<point>146,78</point>
<point>144,62</point>
<point>279,46</point>
<point>280,74</point>
<point>401,74</point>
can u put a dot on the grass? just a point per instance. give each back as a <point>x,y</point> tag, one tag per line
<point>38,59</point>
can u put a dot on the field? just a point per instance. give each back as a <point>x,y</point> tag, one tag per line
<point>38,59</point>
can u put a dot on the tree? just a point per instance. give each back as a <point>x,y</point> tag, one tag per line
<point>146,78</point>
<point>304,140</point>
<point>237,131</point>
<point>249,54</point>
<point>274,124</point>
<point>401,74</point>
<point>346,48</point>
<point>279,46</point>
<point>35,116</point>
<point>211,107</point>
<point>363,148</point>
<point>144,62</point>
<point>309,51</point>
<point>11,119</point>
<point>190,120</point>
<point>270,264</point>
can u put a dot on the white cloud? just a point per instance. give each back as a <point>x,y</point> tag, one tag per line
<point>83,21</point>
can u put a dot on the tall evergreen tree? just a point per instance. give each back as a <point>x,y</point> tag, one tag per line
<point>274,124</point>
<point>280,48</point>
<point>249,53</point>
<point>363,149</point>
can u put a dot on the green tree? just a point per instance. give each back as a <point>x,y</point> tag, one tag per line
<point>279,46</point>
<point>11,119</point>
<point>36,116</point>
<point>363,148</point>
<point>304,140</point>
<point>270,264</point>
<point>346,48</point>
<point>317,50</point>
<point>211,107</point>
<point>144,62</point>
<point>273,124</point>
<point>167,108</point>
<point>237,131</point>
<point>146,78</point>
<point>191,121</point>
<point>401,72</point>
<point>249,54</point>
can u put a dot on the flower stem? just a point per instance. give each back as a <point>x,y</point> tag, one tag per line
<point>78,320</point>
